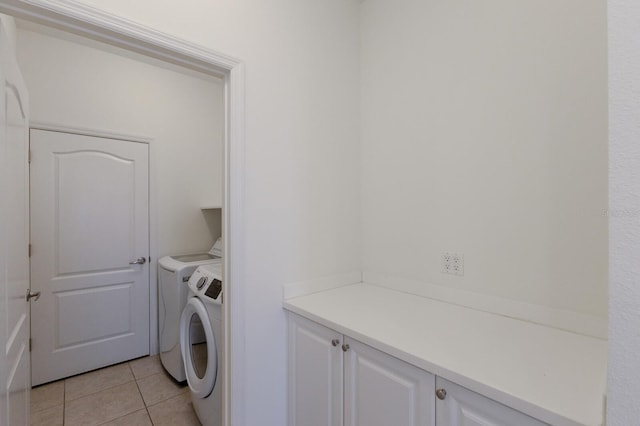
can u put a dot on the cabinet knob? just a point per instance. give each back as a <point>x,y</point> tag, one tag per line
<point>441,394</point>
<point>345,347</point>
<point>335,342</point>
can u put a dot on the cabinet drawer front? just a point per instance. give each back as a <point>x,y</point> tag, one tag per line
<point>381,390</point>
<point>462,407</point>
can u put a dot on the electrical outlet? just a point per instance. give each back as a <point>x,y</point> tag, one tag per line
<point>452,263</point>
<point>457,262</point>
<point>445,263</point>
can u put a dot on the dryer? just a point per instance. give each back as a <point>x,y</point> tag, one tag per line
<point>173,276</point>
<point>203,359</point>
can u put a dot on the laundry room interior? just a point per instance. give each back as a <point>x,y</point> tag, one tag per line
<point>360,212</point>
<point>80,87</point>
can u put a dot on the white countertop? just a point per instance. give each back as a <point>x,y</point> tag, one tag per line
<point>555,376</point>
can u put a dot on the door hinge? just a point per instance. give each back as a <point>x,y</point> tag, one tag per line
<point>29,250</point>
<point>29,157</point>
<point>30,344</point>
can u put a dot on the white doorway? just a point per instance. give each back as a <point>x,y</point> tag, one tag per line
<point>94,88</point>
<point>108,28</point>
<point>90,251</point>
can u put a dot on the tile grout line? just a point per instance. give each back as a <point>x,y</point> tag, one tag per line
<point>135,379</point>
<point>137,387</point>
<point>96,391</point>
<point>146,408</point>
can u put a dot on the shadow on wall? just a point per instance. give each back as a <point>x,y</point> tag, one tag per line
<point>213,219</point>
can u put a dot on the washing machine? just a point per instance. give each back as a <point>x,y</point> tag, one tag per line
<point>173,276</point>
<point>202,359</point>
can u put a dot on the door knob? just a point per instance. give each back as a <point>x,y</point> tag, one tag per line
<point>139,261</point>
<point>335,342</point>
<point>35,295</point>
<point>345,347</point>
<point>441,394</point>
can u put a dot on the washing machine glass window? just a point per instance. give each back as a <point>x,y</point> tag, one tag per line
<point>198,347</point>
<point>199,355</point>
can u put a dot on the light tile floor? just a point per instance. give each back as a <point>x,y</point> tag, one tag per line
<point>134,393</point>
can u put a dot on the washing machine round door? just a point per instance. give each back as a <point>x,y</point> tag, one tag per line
<point>198,346</point>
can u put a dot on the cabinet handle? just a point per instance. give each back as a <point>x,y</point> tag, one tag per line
<point>345,347</point>
<point>441,394</point>
<point>335,342</point>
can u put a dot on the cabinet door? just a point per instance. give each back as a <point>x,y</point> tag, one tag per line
<point>381,390</point>
<point>315,374</point>
<point>462,407</point>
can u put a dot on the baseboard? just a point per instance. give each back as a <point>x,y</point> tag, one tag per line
<point>317,285</point>
<point>575,322</point>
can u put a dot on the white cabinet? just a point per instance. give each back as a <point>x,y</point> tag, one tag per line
<point>458,406</point>
<point>335,380</point>
<point>315,374</point>
<point>328,372</point>
<point>380,390</point>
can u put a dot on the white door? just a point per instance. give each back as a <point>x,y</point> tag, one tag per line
<point>380,390</point>
<point>89,221</point>
<point>315,374</point>
<point>14,239</point>
<point>458,406</point>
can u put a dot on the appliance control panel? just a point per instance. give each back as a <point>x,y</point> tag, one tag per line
<point>201,282</point>
<point>206,282</point>
<point>214,289</point>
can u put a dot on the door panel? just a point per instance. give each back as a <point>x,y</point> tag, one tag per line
<point>18,386</point>
<point>81,205</point>
<point>381,390</point>
<point>462,407</point>
<point>97,304</point>
<point>315,374</point>
<point>14,240</point>
<point>89,220</point>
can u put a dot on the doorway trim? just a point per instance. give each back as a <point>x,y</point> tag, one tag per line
<point>95,24</point>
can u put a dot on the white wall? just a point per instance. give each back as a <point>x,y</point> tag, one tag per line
<point>301,155</point>
<point>79,83</point>
<point>484,131</point>
<point>624,202</point>
<point>532,110</point>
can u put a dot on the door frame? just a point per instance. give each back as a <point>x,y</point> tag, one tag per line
<point>108,28</point>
